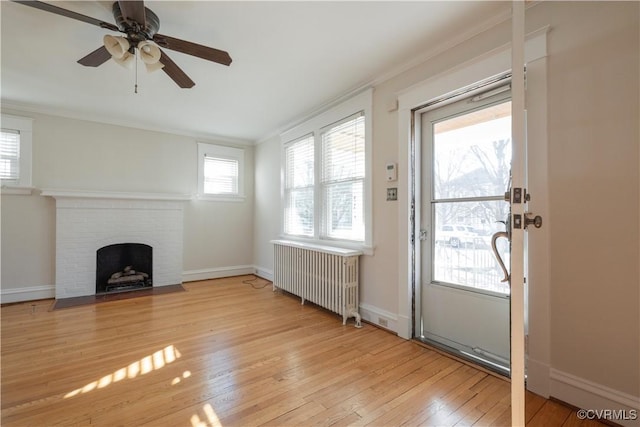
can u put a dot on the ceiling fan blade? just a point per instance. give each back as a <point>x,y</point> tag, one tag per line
<point>176,74</point>
<point>47,7</point>
<point>133,11</point>
<point>95,58</point>
<point>204,52</point>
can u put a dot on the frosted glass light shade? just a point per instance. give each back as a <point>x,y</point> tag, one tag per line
<point>149,52</point>
<point>116,46</point>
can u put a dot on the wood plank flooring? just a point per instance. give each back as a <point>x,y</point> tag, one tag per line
<point>232,353</point>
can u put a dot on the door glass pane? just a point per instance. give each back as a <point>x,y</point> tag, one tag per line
<point>471,159</point>
<point>462,252</point>
<point>472,153</point>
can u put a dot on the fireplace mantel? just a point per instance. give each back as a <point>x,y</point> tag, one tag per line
<point>90,194</point>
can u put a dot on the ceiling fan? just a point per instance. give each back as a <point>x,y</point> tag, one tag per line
<point>140,28</point>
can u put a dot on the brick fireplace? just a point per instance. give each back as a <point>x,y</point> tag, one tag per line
<point>89,221</point>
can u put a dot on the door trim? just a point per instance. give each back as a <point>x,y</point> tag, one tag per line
<point>483,67</point>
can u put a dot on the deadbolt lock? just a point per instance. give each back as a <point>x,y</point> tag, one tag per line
<point>517,196</point>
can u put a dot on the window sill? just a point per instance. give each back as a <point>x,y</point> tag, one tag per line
<point>220,198</point>
<point>341,245</point>
<point>8,190</point>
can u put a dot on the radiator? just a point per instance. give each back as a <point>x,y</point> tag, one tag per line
<point>324,275</point>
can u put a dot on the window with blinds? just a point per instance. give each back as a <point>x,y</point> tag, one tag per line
<point>10,155</point>
<point>299,184</point>
<point>342,179</point>
<point>324,182</point>
<point>220,176</point>
<point>220,173</point>
<point>326,176</point>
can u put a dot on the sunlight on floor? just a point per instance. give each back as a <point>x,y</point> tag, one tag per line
<point>143,366</point>
<point>210,421</point>
<point>185,375</point>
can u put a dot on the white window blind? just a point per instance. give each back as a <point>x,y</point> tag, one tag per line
<point>10,155</point>
<point>342,179</point>
<point>299,187</point>
<point>220,176</point>
<point>221,173</point>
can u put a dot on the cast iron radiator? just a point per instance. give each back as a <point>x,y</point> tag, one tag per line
<point>324,275</point>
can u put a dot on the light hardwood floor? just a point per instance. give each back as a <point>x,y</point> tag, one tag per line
<point>229,353</point>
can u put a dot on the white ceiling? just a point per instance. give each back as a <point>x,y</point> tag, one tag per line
<point>289,58</point>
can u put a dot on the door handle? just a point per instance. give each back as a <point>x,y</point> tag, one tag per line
<point>495,237</point>
<point>535,221</point>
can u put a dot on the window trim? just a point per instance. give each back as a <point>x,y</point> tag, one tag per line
<point>24,125</point>
<point>220,152</point>
<point>361,102</point>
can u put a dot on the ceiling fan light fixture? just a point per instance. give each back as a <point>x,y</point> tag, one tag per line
<point>126,60</point>
<point>139,25</point>
<point>149,52</point>
<point>154,67</point>
<point>117,46</point>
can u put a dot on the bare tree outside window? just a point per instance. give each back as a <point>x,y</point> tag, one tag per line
<point>472,162</point>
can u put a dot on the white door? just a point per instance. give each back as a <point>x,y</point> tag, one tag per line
<point>466,164</point>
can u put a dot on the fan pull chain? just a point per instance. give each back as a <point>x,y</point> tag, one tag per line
<point>135,53</point>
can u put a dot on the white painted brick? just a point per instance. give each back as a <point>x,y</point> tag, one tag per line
<point>84,225</point>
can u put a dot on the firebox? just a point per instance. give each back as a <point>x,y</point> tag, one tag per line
<point>124,267</point>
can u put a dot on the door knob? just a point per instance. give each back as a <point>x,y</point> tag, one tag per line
<point>536,220</point>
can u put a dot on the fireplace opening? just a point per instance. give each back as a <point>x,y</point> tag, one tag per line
<point>123,267</point>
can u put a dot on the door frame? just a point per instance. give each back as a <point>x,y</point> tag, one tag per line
<point>442,86</point>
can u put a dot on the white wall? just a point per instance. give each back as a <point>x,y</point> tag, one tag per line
<point>593,173</point>
<point>266,220</point>
<point>28,246</point>
<point>591,341</point>
<point>77,154</point>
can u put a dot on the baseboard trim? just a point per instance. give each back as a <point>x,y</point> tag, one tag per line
<point>264,273</point>
<point>30,293</point>
<point>380,317</point>
<point>586,394</point>
<point>217,272</point>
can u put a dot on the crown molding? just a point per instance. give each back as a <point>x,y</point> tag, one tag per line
<point>68,114</point>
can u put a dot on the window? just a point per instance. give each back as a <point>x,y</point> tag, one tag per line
<point>220,172</point>
<point>10,154</point>
<point>470,145</point>
<point>298,188</point>
<point>15,151</point>
<point>220,176</point>
<point>326,178</point>
<point>343,160</point>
